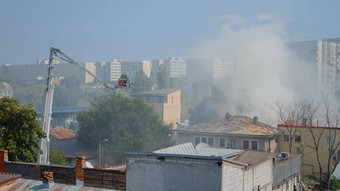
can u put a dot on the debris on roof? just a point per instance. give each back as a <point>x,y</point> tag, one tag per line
<point>238,125</point>
<point>62,133</point>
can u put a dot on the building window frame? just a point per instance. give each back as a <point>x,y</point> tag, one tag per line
<point>285,138</point>
<point>197,140</point>
<point>233,144</point>
<point>297,138</point>
<point>224,143</point>
<point>210,139</point>
<point>257,145</point>
<point>243,145</point>
<point>204,140</point>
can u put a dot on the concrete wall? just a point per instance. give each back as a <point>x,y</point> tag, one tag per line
<point>286,171</point>
<point>237,177</point>
<point>162,173</point>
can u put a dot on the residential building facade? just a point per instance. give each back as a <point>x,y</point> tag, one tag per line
<point>131,67</point>
<point>109,71</point>
<point>177,67</point>
<point>166,103</point>
<point>235,132</point>
<point>303,143</point>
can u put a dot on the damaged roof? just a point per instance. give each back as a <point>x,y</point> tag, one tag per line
<point>62,133</point>
<point>237,125</point>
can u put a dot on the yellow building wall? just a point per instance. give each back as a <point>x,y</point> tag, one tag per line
<point>172,109</point>
<point>309,158</point>
<point>91,68</point>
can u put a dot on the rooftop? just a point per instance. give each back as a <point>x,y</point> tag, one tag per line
<point>62,133</point>
<point>183,149</point>
<point>6,177</point>
<point>28,184</point>
<point>162,92</point>
<point>237,125</point>
<point>204,149</point>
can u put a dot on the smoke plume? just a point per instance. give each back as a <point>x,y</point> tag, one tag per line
<point>265,70</point>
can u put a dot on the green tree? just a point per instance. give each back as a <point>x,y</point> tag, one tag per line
<point>162,77</point>
<point>128,124</point>
<point>19,131</point>
<point>174,83</point>
<point>209,108</point>
<point>57,158</point>
<point>141,83</point>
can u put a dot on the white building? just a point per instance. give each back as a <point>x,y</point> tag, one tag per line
<point>177,67</point>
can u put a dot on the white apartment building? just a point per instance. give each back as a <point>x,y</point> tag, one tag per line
<point>177,67</point>
<point>108,71</point>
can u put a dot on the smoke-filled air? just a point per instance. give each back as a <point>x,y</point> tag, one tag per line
<point>265,70</point>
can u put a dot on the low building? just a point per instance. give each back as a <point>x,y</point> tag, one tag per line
<point>166,103</point>
<point>235,132</point>
<point>251,170</point>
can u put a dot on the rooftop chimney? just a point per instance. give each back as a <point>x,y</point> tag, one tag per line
<point>48,179</point>
<point>228,117</point>
<point>304,122</point>
<point>255,120</point>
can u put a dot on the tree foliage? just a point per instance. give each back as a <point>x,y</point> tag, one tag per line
<point>174,82</point>
<point>20,133</point>
<point>57,158</point>
<point>141,83</point>
<point>162,77</point>
<point>129,125</point>
<point>210,108</point>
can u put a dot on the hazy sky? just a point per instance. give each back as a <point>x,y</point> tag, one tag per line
<point>105,29</point>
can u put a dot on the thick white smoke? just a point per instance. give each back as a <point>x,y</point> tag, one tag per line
<point>264,69</point>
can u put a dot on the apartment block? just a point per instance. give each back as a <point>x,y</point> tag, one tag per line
<point>132,67</point>
<point>108,71</point>
<point>177,67</point>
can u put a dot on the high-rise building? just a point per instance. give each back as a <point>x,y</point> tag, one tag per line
<point>131,67</point>
<point>177,67</point>
<point>209,68</point>
<point>324,58</point>
<point>108,71</point>
<point>155,64</point>
<point>329,64</point>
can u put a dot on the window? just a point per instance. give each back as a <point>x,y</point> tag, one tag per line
<point>204,140</point>
<point>211,142</point>
<point>246,144</point>
<point>197,140</point>
<point>222,143</point>
<point>297,138</point>
<point>254,145</point>
<point>285,138</point>
<point>329,140</point>
<point>233,144</point>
